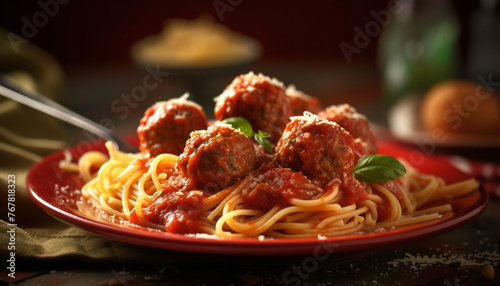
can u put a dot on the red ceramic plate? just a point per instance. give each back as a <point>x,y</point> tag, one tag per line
<point>57,192</point>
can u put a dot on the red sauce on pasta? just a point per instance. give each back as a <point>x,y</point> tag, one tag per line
<point>177,211</point>
<point>277,187</point>
<point>352,192</point>
<point>384,209</point>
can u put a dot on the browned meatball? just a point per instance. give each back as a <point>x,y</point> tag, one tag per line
<point>301,102</point>
<point>215,158</point>
<point>259,99</point>
<point>323,151</point>
<point>166,126</point>
<point>355,123</point>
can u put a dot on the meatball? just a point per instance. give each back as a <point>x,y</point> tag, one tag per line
<point>301,102</point>
<point>323,151</point>
<point>259,99</point>
<point>166,126</point>
<point>215,158</point>
<point>355,123</point>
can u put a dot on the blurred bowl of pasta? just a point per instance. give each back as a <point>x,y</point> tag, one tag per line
<point>196,47</point>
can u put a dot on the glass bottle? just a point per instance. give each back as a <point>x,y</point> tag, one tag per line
<point>418,48</point>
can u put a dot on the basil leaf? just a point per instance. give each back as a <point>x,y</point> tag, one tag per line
<point>240,123</point>
<point>261,138</point>
<point>378,169</point>
<point>263,134</point>
<point>245,127</point>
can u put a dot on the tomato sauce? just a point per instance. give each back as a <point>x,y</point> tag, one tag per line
<point>384,209</point>
<point>352,192</point>
<point>177,211</point>
<point>277,187</point>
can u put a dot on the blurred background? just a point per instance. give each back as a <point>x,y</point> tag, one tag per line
<point>336,52</point>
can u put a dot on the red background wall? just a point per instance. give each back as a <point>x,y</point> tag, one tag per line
<point>101,32</point>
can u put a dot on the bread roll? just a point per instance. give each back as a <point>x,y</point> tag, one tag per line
<point>461,107</point>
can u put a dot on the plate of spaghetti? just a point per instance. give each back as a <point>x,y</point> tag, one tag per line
<point>274,173</point>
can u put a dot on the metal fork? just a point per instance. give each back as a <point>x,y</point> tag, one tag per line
<point>10,89</point>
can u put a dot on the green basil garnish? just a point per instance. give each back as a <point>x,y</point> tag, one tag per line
<point>245,127</point>
<point>261,137</point>
<point>378,169</point>
<point>240,123</point>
